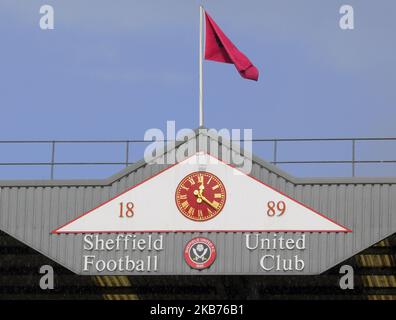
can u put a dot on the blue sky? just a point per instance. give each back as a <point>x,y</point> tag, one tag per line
<point>113,69</point>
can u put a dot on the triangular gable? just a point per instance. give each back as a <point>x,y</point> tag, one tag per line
<point>250,206</point>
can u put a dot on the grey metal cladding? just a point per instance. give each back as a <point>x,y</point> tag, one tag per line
<point>29,210</point>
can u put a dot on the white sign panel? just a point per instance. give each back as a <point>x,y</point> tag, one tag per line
<point>201,194</point>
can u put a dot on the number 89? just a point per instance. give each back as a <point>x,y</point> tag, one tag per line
<point>276,207</point>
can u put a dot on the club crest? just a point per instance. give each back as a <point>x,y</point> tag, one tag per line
<point>200,253</point>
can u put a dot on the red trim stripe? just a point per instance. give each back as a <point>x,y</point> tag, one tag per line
<point>56,231</point>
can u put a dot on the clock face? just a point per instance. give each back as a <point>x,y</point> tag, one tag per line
<point>200,196</point>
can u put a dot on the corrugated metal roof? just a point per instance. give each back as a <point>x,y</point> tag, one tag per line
<point>30,210</point>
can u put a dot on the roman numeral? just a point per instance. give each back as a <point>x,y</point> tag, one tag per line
<point>215,187</point>
<point>218,195</point>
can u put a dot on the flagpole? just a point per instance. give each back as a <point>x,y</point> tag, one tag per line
<point>201,114</point>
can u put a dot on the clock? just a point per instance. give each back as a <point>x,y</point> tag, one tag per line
<point>200,196</point>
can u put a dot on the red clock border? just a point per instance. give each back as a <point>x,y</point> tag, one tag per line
<point>196,172</point>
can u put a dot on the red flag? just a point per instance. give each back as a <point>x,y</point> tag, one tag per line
<point>219,48</point>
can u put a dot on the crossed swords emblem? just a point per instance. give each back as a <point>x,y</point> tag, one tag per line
<point>199,256</point>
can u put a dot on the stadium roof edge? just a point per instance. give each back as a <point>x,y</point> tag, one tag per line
<point>209,133</point>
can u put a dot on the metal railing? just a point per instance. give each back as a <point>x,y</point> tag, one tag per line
<point>352,161</point>
<point>52,163</point>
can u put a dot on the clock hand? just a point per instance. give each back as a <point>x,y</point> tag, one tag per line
<point>202,187</point>
<point>208,202</point>
<point>202,197</point>
<point>199,195</point>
